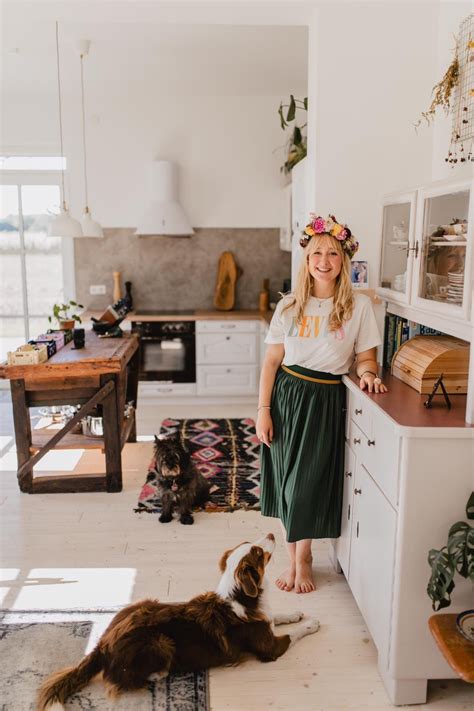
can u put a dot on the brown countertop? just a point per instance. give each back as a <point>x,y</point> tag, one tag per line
<point>405,406</point>
<point>203,315</point>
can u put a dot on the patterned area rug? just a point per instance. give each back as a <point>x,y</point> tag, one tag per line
<point>226,452</point>
<point>34,644</point>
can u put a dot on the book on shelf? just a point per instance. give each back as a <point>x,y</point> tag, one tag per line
<point>397,330</point>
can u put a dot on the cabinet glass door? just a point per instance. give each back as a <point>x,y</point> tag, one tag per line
<point>396,242</point>
<point>443,253</point>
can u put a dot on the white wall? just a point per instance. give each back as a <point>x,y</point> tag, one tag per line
<point>225,148</point>
<point>371,75</point>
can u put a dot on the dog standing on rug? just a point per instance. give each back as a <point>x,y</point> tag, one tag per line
<point>179,483</point>
<point>214,629</point>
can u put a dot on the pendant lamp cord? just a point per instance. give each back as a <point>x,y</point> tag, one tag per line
<point>84,133</point>
<point>60,116</point>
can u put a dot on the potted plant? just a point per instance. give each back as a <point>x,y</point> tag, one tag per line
<point>65,319</point>
<point>456,556</point>
<point>297,142</point>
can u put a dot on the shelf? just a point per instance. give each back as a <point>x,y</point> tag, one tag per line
<point>457,650</point>
<point>457,243</point>
<point>401,243</point>
<point>79,441</point>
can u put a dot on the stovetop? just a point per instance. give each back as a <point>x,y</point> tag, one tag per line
<point>165,312</point>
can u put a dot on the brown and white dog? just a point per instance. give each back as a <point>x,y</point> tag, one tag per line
<point>213,629</point>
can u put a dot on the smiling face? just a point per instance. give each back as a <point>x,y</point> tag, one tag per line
<point>324,261</point>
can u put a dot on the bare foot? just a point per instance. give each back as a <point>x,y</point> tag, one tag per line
<point>286,581</point>
<point>304,582</point>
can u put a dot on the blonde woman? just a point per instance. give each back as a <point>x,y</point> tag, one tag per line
<point>314,337</point>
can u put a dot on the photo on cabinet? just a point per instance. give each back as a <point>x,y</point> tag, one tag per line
<point>360,275</point>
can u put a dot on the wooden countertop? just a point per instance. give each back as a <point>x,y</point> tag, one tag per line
<point>203,315</point>
<point>405,406</point>
<point>99,356</point>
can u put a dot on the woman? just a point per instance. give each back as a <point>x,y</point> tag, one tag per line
<point>313,338</point>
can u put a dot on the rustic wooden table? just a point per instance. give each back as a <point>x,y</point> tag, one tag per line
<point>457,650</point>
<point>105,373</point>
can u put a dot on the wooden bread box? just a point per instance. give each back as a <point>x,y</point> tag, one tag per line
<point>420,361</point>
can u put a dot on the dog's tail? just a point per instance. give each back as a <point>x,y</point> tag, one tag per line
<point>60,685</point>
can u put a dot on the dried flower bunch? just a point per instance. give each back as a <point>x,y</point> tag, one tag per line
<point>297,142</point>
<point>442,91</point>
<point>330,226</point>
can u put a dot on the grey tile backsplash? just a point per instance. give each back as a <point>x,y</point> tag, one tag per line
<point>179,272</point>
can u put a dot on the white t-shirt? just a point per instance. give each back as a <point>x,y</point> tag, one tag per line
<point>311,345</point>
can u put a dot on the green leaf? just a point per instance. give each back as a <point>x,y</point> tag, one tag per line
<point>470,507</point>
<point>305,102</point>
<point>440,584</point>
<point>461,547</point>
<point>283,123</point>
<point>297,136</point>
<point>291,109</point>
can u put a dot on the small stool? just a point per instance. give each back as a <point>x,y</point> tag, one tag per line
<point>456,649</point>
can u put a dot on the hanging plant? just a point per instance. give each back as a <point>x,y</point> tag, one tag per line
<point>297,143</point>
<point>443,92</point>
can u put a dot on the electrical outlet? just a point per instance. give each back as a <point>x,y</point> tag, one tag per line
<point>96,289</point>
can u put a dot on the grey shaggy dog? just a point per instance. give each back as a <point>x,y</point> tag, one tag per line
<point>180,484</point>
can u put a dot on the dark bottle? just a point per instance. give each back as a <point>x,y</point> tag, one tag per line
<point>127,299</point>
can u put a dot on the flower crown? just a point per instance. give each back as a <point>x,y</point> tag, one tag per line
<point>330,226</point>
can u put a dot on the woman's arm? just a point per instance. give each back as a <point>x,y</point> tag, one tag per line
<point>366,369</point>
<point>271,363</point>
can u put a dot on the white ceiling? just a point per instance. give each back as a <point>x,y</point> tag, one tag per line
<point>173,58</point>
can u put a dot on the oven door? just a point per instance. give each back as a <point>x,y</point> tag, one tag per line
<point>168,358</point>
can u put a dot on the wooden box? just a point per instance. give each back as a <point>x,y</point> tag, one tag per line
<point>420,361</point>
<point>28,355</point>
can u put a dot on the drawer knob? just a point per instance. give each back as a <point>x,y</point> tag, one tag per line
<point>371,442</point>
<point>357,491</point>
<point>356,440</point>
<point>227,338</point>
<point>348,473</point>
<point>358,412</point>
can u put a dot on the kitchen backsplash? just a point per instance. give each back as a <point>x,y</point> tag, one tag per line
<point>179,272</point>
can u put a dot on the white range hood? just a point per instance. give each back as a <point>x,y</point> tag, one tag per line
<point>164,215</point>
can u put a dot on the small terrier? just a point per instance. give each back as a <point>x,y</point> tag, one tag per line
<point>179,483</point>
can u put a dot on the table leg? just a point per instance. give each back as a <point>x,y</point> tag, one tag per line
<point>112,446</point>
<point>132,390</point>
<point>22,423</point>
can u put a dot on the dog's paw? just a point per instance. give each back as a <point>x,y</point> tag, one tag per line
<point>187,519</point>
<point>165,518</point>
<point>295,616</point>
<point>311,625</point>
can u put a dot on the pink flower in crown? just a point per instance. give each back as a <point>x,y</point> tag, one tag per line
<point>319,225</point>
<point>342,235</point>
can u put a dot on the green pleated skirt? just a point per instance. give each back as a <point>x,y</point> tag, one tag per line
<point>302,470</point>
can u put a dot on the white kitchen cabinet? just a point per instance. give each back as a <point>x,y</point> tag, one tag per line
<point>227,357</point>
<point>263,334</point>
<point>401,496</point>
<point>425,273</point>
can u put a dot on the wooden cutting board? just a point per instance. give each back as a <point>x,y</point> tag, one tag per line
<point>227,274</point>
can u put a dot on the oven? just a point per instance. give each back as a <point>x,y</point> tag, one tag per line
<point>167,350</point>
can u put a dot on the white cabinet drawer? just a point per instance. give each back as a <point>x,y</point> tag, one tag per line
<point>227,326</point>
<point>227,380</point>
<point>157,389</point>
<point>232,348</point>
<point>355,438</point>
<point>361,412</point>
<point>380,454</point>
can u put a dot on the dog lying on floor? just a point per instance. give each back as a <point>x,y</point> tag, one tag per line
<point>213,629</point>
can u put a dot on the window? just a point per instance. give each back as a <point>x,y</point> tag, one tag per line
<point>36,270</point>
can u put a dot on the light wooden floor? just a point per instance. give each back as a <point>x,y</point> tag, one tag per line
<point>92,550</point>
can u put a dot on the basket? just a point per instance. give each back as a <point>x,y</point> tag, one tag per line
<point>420,361</point>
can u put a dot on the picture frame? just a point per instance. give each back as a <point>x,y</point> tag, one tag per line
<point>359,274</point>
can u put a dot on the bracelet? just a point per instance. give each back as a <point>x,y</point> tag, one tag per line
<point>368,371</point>
<point>264,407</point>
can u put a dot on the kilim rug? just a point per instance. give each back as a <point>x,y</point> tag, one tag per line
<point>226,452</point>
<point>35,644</point>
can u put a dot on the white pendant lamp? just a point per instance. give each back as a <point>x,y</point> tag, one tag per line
<point>90,228</point>
<point>63,225</point>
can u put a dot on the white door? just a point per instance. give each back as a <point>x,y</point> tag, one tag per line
<point>343,543</point>
<point>372,556</point>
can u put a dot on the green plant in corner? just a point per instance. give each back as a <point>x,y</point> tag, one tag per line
<point>61,312</point>
<point>297,143</point>
<point>456,555</point>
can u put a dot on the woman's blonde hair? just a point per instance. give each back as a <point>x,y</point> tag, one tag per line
<point>343,295</point>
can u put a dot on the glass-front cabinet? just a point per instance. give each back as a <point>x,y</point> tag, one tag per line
<point>444,245</point>
<point>398,227</point>
<point>426,250</point>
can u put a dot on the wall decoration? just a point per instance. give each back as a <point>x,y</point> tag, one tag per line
<point>360,275</point>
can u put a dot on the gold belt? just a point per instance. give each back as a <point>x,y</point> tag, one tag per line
<point>307,377</point>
